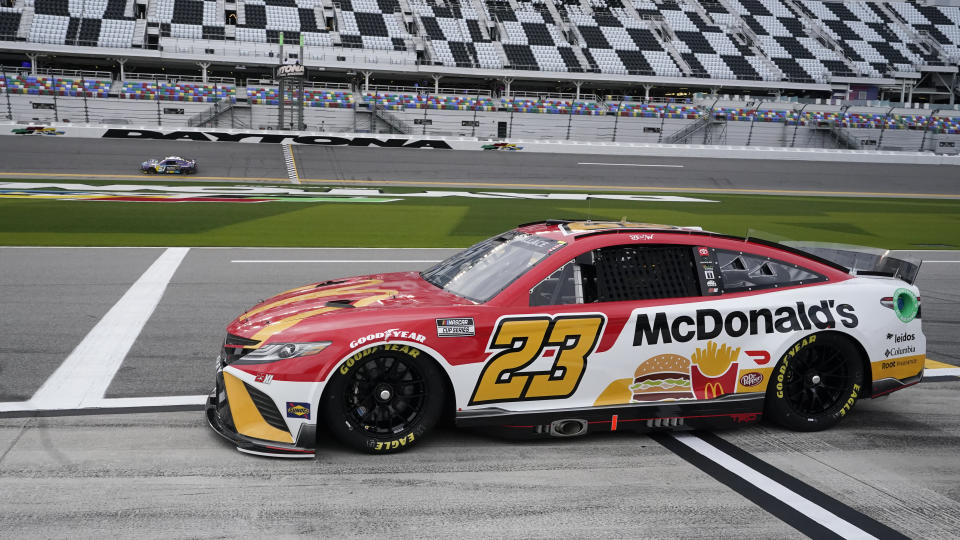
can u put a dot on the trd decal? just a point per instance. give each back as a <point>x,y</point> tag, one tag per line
<point>520,341</point>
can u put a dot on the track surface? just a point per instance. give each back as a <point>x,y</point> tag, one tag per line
<point>166,474</point>
<point>94,158</point>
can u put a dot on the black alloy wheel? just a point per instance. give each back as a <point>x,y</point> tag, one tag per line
<point>816,383</point>
<point>385,401</point>
<point>385,395</point>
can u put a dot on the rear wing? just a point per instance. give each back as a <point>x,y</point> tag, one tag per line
<point>863,261</point>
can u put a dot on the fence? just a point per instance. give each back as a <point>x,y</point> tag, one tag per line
<point>928,135</point>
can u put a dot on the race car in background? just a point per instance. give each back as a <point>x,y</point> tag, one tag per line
<point>169,165</point>
<point>560,328</point>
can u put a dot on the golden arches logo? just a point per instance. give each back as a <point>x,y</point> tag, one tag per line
<point>712,390</point>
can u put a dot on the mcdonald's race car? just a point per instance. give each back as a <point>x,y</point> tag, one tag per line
<point>561,328</point>
<point>169,165</point>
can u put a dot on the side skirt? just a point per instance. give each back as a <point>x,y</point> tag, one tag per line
<point>722,412</point>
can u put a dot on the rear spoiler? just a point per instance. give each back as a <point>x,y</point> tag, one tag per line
<point>862,261</point>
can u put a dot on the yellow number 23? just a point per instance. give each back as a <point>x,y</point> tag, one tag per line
<point>520,341</point>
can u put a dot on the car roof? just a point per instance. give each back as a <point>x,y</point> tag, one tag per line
<point>565,230</point>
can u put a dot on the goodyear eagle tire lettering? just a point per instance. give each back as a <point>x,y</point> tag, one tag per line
<point>384,399</point>
<point>816,383</point>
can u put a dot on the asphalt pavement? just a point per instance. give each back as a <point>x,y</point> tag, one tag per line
<point>166,474</point>
<point>117,159</point>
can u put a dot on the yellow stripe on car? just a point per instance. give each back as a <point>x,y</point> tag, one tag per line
<point>901,367</point>
<point>246,417</point>
<point>319,294</point>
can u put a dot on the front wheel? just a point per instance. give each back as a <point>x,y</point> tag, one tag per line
<point>384,400</point>
<point>816,383</point>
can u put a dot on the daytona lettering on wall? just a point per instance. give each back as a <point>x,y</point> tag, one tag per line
<point>274,138</point>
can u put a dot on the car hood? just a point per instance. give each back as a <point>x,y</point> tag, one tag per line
<point>345,298</point>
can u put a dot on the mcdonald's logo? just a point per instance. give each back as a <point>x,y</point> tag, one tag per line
<point>712,390</point>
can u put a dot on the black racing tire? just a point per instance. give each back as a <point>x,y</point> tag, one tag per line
<point>816,383</point>
<point>385,400</point>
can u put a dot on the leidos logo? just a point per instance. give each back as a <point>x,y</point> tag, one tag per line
<point>900,338</point>
<point>710,323</point>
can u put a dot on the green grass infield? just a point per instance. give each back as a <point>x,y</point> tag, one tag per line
<point>459,221</point>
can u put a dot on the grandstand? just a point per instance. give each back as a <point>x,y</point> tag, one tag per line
<point>856,73</point>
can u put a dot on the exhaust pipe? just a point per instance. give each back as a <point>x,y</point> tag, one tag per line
<point>571,427</point>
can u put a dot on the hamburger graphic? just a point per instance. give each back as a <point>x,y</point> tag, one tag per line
<point>666,376</point>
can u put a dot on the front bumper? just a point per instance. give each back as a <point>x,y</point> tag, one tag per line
<point>220,418</point>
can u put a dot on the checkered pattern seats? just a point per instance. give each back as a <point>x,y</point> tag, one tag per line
<point>104,23</point>
<point>372,24</point>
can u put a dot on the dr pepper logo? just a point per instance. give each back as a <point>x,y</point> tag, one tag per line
<point>751,379</point>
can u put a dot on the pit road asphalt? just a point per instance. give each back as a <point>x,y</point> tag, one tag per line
<point>115,159</point>
<point>167,474</point>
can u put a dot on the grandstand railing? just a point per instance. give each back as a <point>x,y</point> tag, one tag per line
<point>167,77</point>
<point>63,73</point>
<point>383,88</point>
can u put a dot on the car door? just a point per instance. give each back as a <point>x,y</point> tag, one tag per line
<point>574,345</point>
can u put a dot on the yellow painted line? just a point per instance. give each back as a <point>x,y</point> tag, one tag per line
<point>414,183</point>
<point>933,364</point>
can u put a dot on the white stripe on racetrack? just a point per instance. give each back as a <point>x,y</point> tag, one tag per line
<point>933,373</point>
<point>83,378</point>
<point>631,164</point>
<point>775,489</point>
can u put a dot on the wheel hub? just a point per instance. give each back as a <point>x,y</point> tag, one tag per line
<point>383,393</point>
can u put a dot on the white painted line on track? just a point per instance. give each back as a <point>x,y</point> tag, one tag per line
<point>632,165</point>
<point>933,373</point>
<point>259,261</point>
<point>953,262</point>
<point>801,504</point>
<point>84,376</point>
<point>158,401</point>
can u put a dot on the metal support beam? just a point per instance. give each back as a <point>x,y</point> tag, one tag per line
<point>366,80</point>
<point>203,67</point>
<point>123,63</point>
<point>507,81</point>
<point>436,84</point>
<point>33,62</point>
<point>578,84</point>
<point>646,91</point>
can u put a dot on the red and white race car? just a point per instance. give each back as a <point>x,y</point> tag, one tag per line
<point>560,328</point>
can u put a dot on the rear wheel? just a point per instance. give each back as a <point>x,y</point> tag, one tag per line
<point>816,383</point>
<point>384,402</point>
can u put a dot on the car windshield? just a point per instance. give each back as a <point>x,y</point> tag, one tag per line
<point>481,271</point>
